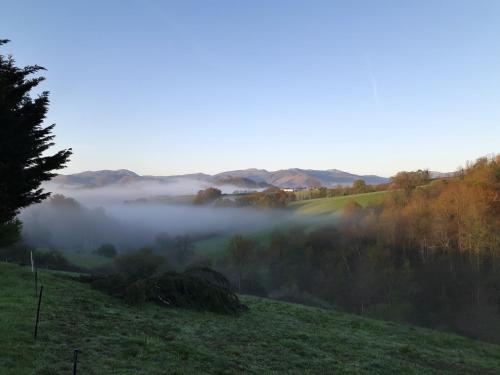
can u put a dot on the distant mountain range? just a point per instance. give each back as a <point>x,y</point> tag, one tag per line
<point>247,178</point>
<point>295,177</point>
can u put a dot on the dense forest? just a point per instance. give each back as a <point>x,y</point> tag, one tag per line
<point>429,254</point>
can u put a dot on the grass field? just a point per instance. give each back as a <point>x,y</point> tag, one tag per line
<point>324,206</point>
<point>272,337</point>
<point>308,214</point>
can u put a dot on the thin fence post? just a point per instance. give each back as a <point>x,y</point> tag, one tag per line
<point>38,311</point>
<point>75,360</point>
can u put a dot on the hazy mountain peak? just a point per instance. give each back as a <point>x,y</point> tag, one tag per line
<point>107,172</point>
<point>251,178</point>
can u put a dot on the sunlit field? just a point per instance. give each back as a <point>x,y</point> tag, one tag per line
<point>324,206</point>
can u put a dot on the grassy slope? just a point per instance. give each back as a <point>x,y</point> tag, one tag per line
<point>323,206</point>
<point>271,336</point>
<point>320,208</point>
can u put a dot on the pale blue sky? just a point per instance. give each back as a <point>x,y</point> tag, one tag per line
<point>164,87</point>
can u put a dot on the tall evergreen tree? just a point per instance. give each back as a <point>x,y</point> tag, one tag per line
<point>24,164</point>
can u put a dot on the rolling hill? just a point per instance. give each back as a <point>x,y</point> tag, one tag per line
<point>272,337</point>
<point>322,206</point>
<point>248,178</point>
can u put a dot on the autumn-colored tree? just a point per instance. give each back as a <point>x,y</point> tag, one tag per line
<point>207,196</point>
<point>408,181</point>
<point>359,186</point>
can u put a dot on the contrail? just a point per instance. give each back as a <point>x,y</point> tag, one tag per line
<point>373,81</point>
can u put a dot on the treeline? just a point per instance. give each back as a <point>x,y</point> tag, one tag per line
<point>357,187</point>
<point>429,255</point>
<point>269,198</point>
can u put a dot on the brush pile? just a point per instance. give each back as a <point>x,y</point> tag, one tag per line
<point>196,288</point>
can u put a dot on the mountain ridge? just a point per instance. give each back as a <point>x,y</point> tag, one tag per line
<point>252,177</point>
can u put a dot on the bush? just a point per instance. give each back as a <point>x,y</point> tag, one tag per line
<point>197,290</point>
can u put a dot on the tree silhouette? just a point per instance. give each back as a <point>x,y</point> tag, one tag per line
<point>24,164</point>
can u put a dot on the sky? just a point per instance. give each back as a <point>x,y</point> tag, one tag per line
<point>173,87</point>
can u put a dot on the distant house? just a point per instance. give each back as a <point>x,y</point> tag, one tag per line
<point>292,190</point>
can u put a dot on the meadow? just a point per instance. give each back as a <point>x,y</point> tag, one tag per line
<point>325,206</point>
<point>271,337</point>
<point>308,214</point>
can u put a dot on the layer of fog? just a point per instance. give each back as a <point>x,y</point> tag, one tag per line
<point>98,215</point>
<point>131,191</point>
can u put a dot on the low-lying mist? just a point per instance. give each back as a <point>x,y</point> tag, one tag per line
<point>85,218</point>
<point>131,191</point>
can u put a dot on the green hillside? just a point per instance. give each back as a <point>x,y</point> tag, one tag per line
<point>310,214</point>
<point>271,337</point>
<point>322,206</point>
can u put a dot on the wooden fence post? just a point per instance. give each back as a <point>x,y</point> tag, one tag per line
<point>38,311</point>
